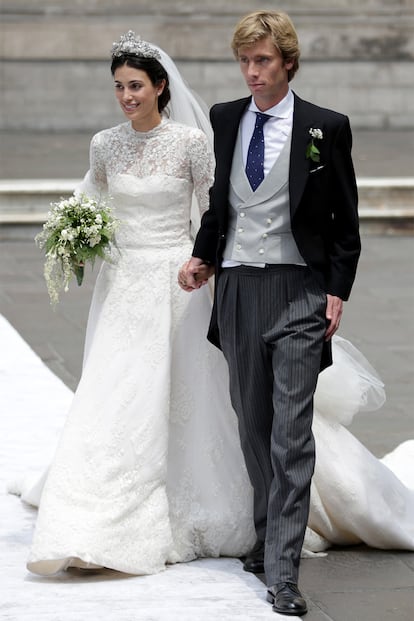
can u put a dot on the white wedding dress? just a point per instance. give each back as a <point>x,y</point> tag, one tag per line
<point>148,469</point>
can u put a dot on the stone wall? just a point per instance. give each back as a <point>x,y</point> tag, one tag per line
<point>357,57</point>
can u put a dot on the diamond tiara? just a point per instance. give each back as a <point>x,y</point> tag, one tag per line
<point>129,43</point>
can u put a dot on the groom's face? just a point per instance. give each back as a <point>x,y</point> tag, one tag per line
<point>265,72</point>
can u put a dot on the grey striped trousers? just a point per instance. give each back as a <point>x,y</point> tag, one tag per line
<point>272,324</point>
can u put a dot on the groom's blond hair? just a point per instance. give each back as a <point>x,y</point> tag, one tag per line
<point>278,26</point>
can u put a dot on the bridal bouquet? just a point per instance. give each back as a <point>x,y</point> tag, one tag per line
<point>78,230</point>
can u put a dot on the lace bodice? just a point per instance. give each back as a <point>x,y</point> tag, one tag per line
<point>150,176</point>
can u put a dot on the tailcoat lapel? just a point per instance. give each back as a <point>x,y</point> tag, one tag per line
<point>299,165</point>
<point>226,127</point>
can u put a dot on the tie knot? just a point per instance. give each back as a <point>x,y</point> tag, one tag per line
<point>261,118</point>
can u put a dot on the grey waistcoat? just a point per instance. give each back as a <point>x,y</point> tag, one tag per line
<point>259,222</point>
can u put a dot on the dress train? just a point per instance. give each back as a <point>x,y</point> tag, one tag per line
<point>355,498</point>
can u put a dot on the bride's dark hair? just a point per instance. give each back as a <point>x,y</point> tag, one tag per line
<point>152,67</point>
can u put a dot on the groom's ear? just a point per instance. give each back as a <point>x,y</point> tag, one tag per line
<point>288,64</point>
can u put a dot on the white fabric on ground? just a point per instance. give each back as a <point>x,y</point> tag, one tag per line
<point>30,421</point>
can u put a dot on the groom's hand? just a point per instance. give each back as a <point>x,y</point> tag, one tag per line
<point>194,274</point>
<point>334,307</point>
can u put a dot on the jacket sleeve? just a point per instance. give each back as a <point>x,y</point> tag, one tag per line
<point>205,245</point>
<point>345,246</point>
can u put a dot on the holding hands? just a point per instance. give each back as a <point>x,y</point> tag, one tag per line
<point>194,274</point>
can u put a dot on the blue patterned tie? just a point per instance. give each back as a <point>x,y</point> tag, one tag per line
<point>255,154</point>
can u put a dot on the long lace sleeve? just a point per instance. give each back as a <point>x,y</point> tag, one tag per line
<point>202,170</point>
<point>94,182</point>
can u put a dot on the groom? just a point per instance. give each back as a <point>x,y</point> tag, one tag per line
<point>282,233</point>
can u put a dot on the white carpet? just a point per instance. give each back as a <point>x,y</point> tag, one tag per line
<point>33,402</point>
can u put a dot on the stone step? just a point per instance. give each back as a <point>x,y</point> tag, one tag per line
<point>386,205</point>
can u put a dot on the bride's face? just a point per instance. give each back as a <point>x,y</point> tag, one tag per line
<point>138,97</point>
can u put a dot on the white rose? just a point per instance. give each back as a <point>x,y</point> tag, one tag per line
<point>316,133</point>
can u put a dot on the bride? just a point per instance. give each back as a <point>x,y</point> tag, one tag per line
<point>148,469</point>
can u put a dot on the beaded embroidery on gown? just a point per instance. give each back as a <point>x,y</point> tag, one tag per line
<point>149,470</point>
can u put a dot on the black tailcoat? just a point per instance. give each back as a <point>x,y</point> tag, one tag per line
<point>323,197</point>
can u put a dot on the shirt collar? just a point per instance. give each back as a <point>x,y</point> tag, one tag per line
<point>282,110</point>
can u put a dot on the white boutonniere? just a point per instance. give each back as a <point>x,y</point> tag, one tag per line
<point>312,151</point>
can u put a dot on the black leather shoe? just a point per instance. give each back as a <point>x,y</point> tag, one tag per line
<point>287,599</point>
<point>254,561</point>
